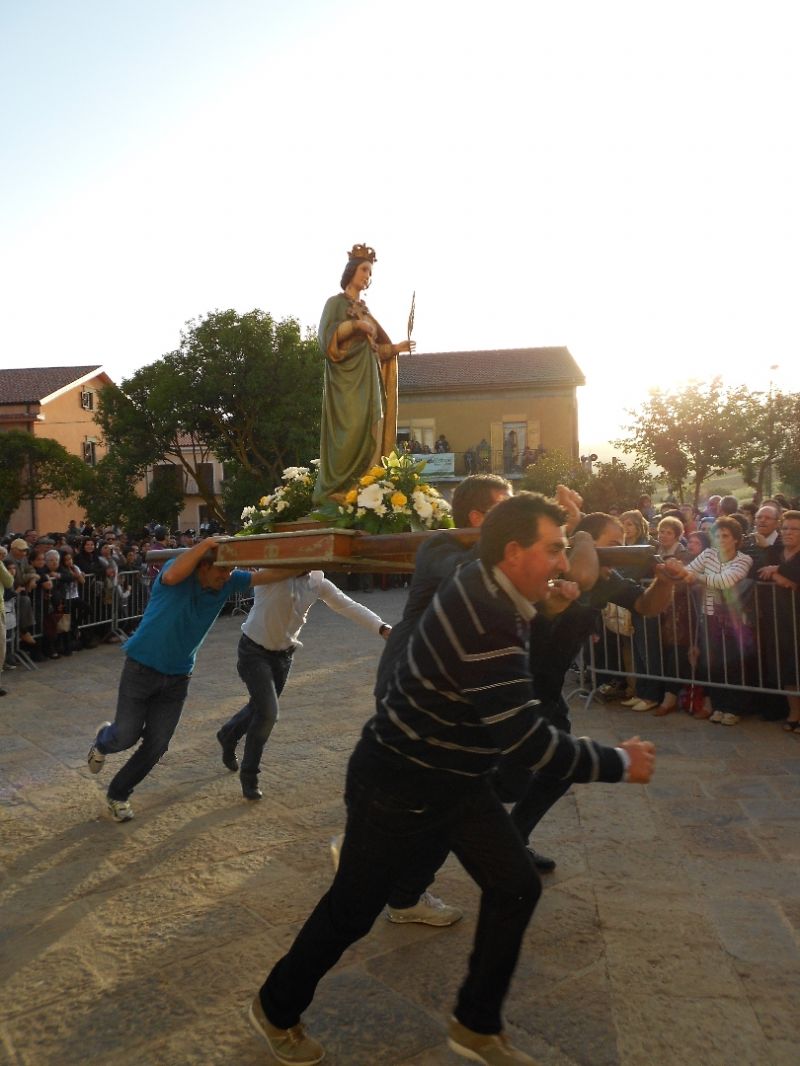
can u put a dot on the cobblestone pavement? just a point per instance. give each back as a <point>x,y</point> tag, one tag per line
<point>667,935</point>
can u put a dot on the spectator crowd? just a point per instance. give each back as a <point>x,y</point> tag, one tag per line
<point>728,643</point>
<point>64,592</point>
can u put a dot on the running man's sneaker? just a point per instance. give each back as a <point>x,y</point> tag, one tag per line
<point>717,717</point>
<point>121,810</point>
<point>293,1046</point>
<point>494,1050</point>
<point>96,758</point>
<point>428,911</point>
<point>336,847</point>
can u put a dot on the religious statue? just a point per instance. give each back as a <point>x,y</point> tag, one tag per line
<point>359,402</point>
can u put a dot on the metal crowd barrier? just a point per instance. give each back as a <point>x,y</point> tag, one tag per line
<point>101,610</point>
<point>749,645</point>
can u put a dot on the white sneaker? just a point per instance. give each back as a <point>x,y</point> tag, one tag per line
<point>336,847</point>
<point>428,911</point>
<point>631,702</point>
<point>716,717</point>
<point>729,719</point>
<point>121,810</point>
<point>96,758</point>
<point>643,705</point>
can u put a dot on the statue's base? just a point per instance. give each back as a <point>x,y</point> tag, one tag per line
<point>335,550</point>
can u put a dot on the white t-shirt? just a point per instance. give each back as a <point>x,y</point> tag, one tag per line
<point>280,610</point>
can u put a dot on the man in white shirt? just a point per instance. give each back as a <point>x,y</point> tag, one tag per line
<point>269,638</point>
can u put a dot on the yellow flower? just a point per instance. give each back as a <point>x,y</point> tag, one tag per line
<point>397,499</point>
<point>263,501</point>
<point>351,496</point>
<point>376,472</point>
<point>367,479</point>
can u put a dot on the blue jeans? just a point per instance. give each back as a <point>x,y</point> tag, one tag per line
<point>264,672</point>
<point>392,822</point>
<point>149,707</point>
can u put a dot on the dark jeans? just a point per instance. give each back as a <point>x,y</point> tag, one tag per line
<point>264,673</point>
<point>725,644</point>
<point>390,825</point>
<point>544,789</point>
<point>533,794</point>
<point>149,707</point>
<point>647,657</point>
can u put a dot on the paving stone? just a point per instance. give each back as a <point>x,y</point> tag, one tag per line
<point>707,812</point>
<point>755,931</point>
<point>674,1030</point>
<point>728,840</point>
<point>745,787</point>
<point>571,1019</point>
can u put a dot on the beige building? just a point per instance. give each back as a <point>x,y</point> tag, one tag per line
<point>495,409</point>
<point>194,464</point>
<point>57,402</point>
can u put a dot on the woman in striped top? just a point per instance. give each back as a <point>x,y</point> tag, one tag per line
<point>723,633</point>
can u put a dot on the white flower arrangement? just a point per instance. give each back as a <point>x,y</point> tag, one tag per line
<point>288,502</point>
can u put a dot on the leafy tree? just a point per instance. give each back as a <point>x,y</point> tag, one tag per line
<point>241,489</point>
<point>35,467</point>
<point>109,496</point>
<point>690,434</point>
<point>241,387</point>
<point>771,421</point>
<point>616,485</point>
<point>553,468</point>
<point>788,459</point>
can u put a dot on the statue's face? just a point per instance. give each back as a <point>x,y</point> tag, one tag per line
<point>362,277</point>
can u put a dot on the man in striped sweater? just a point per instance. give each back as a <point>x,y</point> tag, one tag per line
<point>460,700</point>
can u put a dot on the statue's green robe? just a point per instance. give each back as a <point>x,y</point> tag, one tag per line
<point>359,401</point>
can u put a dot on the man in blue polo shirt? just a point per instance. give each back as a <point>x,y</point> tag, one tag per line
<point>185,599</point>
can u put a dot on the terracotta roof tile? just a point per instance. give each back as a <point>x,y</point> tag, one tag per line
<point>482,369</point>
<point>31,385</point>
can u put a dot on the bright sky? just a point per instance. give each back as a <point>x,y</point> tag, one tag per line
<point>618,177</point>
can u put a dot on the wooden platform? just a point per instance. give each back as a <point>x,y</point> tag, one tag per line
<point>335,550</point>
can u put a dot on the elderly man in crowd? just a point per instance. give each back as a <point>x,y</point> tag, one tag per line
<point>25,581</point>
<point>765,536</point>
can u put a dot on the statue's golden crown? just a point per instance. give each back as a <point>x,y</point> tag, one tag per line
<point>363,251</point>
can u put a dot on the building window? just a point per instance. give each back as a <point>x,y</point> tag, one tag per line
<point>87,400</point>
<point>205,478</point>
<point>90,452</point>
<point>515,442</point>
<point>167,472</point>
